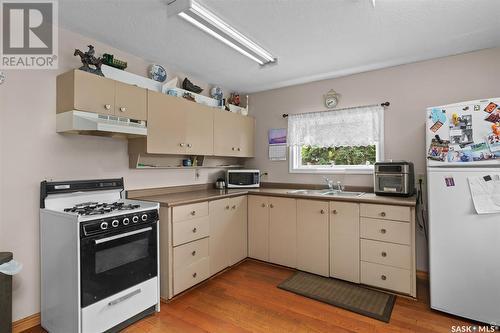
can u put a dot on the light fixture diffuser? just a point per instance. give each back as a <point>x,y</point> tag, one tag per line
<point>202,18</point>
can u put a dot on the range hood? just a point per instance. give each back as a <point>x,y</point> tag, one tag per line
<point>79,122</point>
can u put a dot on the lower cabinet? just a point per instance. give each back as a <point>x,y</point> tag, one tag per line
<point>313,236</point>
<point>272,229</point>
<point>228,232</point>
<point>344,240</point>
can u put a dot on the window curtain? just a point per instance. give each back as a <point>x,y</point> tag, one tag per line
<point>349,127</point>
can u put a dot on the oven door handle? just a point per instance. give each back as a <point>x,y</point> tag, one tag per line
<point>130,233</point>
<point>124,297</point>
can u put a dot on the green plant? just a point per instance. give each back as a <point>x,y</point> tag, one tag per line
<point>343,155</point>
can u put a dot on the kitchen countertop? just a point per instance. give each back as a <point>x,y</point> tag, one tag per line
<point>183,198</point>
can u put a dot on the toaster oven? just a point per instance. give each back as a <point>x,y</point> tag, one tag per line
<point>394,178</point>
<point>242,178</point>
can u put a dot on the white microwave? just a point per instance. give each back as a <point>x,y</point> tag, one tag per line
<point>241,178</point>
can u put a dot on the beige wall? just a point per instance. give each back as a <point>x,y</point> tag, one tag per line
<point>409,88</point>
<point>30,151</point>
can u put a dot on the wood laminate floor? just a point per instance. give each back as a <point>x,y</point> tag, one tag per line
<point>245,299</point>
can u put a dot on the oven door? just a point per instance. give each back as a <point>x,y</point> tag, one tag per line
<point>113,262</point>
<point>392,183</point>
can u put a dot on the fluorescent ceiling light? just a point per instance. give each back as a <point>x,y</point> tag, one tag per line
<point>207,21</point>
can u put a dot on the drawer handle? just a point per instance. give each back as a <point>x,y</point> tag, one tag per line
<point>193,253</point>
<point>227,207</point>
<point>234,207</point>
<point>193,213</point>
<point>239,149</point>
<point>271,206</point>
<point>263,205</point>
<point>123,109</point>
<point>384,254</point>
<point>233,148</point>
<point>322,211</point>
<point>334,211</point>
<point>194,275</point>
<point>189,145</point>
<point>383,277</point>
<point>383,231</point>
<point>107,106</point>
<point>194,230</point>
<point>383,214</point>
<point>181,144</point>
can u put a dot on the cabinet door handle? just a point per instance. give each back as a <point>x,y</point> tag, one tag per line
<point>322,211</point>
<point>123,109</point>
<point>234,207</point>
<point>334,211</point>
<point>271,205</point>
<point>107,106</point>
<point>193,213</point>
<point>384,254</point>
<point>193,253</point>
<point>194,230</point>
<point>383,214</point>
<point>383,231</point>
<point>239,149</point>
<point>181,144</point>
<point>264,205</point>
<point>233,148</point>
<point>227,207</point>
<point>194,275</point>
<point>383,277</point>
<point>189,145</point>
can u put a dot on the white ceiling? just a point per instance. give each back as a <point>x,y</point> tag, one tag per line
<point>313,39</point>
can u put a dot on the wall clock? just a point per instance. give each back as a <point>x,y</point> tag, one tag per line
<point>331,99</point>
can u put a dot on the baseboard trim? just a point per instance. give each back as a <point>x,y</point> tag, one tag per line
<point>24,324</point>
<point>422,275</point>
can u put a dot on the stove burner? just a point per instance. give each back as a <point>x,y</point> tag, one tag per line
<point>99,208</point>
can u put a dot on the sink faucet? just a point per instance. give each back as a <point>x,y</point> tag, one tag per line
<point>339,186</point>
<point>329,182</point>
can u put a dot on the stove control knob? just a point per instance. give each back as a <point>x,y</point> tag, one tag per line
<point>115,223</point>
<point>144,217</point>
<point>126,221</point>
<point>135,219</point>
<point>104,225</point>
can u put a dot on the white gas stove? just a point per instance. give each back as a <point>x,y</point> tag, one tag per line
<point>99,257</point>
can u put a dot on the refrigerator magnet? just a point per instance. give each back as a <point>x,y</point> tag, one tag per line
<point>493,117</point>
<point>437,125</point>
<point>490,107</point>
<point>449,181</point>
<point>477,107</point>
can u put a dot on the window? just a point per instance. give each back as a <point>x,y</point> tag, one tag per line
<point>338,141</point>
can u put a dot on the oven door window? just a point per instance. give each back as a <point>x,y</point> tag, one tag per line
<point>113,262</point>
<point>392,183</point>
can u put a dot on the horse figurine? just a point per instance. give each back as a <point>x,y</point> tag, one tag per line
<point>90,63</point>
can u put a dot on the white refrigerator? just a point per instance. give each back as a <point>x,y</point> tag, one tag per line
<point>464,246</point>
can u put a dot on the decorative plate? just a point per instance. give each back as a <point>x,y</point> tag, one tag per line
<point>157,73</point>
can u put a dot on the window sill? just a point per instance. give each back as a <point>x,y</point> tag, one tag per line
<point>343,171</point>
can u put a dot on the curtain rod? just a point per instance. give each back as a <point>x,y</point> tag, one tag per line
<point>385,104</point>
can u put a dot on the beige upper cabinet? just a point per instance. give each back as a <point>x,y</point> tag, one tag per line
<point>313,236</point>
<point>233,135</point>
<point>130,101</point>
<point>82,91</point>
<point>283,231</point>
<point>344,241</point>
<point>167,124</point>
<point>258,227</point>
<point>199,129</point>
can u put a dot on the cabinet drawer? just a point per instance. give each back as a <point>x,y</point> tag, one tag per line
<point>386,277</point>
<point>187,254</point>
<point>190,275</point>
<point>387,231</point>
<point>386,253</point>
<point>187,231</point>
<point>385,212</point>
<point>189,212</point>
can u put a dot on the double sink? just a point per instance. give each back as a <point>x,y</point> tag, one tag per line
<point>327,192</point>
